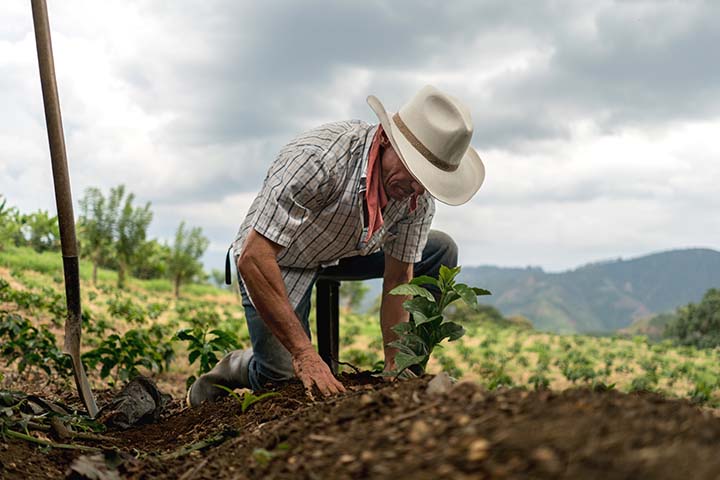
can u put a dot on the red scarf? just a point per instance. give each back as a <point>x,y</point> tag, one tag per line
<point>375,195</point>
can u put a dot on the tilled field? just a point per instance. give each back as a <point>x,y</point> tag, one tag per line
<point>400,430</point>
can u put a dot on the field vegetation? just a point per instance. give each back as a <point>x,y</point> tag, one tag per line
<point>145,328</point>
<point>505,417</point>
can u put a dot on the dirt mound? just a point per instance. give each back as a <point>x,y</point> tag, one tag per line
<point>399,430</point>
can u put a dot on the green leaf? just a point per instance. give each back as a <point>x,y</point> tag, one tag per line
<point>467,294</point>
<point>421,306</point>
<point>417,344</point>
<point>193,356</point>
<point>450,297</point>
<point>451,330</point>
<point>185,334</point>
<point>404,360</point>
<point>414,290</point>
<point>250,399</point>
<point>481,291</point>
<point>420,319</point>
<point>402,328</point>
<point>424,280</point>
<point>402,347</point>
<point>447,275</point>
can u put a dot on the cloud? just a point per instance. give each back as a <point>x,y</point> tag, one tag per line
<point>592,116</point>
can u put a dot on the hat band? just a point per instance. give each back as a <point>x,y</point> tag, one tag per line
<point>424,151</point>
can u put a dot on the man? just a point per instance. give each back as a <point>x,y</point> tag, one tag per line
<point>348,201</point>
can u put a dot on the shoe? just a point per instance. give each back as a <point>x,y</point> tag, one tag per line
<point>230,372</point>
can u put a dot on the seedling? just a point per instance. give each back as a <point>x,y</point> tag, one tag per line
<point>427,327</point>
<point>248,399</point>
<point>204,344</point>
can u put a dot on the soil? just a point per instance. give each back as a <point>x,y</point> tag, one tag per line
<point>399,430</point>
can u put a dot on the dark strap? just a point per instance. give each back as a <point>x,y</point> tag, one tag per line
<point>228,274</point>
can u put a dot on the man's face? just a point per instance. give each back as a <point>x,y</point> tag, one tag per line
<point>398,183</point>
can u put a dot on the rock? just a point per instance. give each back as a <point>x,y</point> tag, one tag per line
<point>439,385</point>
<point>478,450</point>
<point>419,431</point>
<point>346,458</point>
<point>140,401</point>
<point>547,460</point>
<point>478,397</point>
<point>462,420</point>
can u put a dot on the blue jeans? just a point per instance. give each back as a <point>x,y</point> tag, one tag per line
<point>272,363</point>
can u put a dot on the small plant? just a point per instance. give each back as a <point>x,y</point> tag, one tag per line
<point>600,386</point>
<point>643,383</point>
<point>136,348</point>
<point>702,393</point>
<point>205,345</point>
<point>539,381</point>
<point>449,366</point>
<point>125,308</point>
<point>427,326</point>
<point>248,399</point>
<point>30,346</point>
<point>495,375</point>
<point>263,456</point>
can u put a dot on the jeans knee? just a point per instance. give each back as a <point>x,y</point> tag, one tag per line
<point>265,374</point>
<point>447,246</point>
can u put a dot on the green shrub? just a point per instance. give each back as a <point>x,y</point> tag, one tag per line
<point>122,355</point>
<point>31,346</point>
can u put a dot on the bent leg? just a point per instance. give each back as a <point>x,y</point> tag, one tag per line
<point>440,249</point>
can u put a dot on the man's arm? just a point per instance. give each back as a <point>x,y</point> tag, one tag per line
<point>261,274</point>
<point>391,309</point>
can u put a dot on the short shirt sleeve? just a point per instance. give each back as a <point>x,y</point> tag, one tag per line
<point>412,232</point>
<point>295,190</point>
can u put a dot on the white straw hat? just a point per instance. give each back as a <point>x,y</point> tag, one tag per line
<point>431,134</point>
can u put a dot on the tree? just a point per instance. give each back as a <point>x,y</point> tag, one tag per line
<point>154,257</point>
<point>9,224</point>
<point>698,325</point>
<point>96,226</point>
<point>130,232</point>
<point>41,231</point>
<point>184,260</point>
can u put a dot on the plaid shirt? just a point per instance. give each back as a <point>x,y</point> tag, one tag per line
<point>312,204</point>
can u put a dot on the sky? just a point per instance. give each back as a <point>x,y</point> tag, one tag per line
<point>597,120</point>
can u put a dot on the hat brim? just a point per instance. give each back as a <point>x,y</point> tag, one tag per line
<point>452,188</point>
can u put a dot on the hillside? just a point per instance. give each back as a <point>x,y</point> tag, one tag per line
<point>600,297</point>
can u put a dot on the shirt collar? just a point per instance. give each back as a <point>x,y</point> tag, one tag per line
<point>366,151</point>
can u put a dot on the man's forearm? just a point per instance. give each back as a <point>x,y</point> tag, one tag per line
<point>391,313</point>
<point>263,281</point>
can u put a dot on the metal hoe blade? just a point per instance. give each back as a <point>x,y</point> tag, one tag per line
<point>63,198</point>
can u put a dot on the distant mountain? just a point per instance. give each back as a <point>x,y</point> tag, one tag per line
<point>600,297</point>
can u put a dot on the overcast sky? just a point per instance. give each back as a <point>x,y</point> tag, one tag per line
<point>598,121</point>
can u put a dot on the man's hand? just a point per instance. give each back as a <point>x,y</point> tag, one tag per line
<point>312,371</point>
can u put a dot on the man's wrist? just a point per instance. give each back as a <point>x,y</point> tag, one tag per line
<point>303,351</point>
